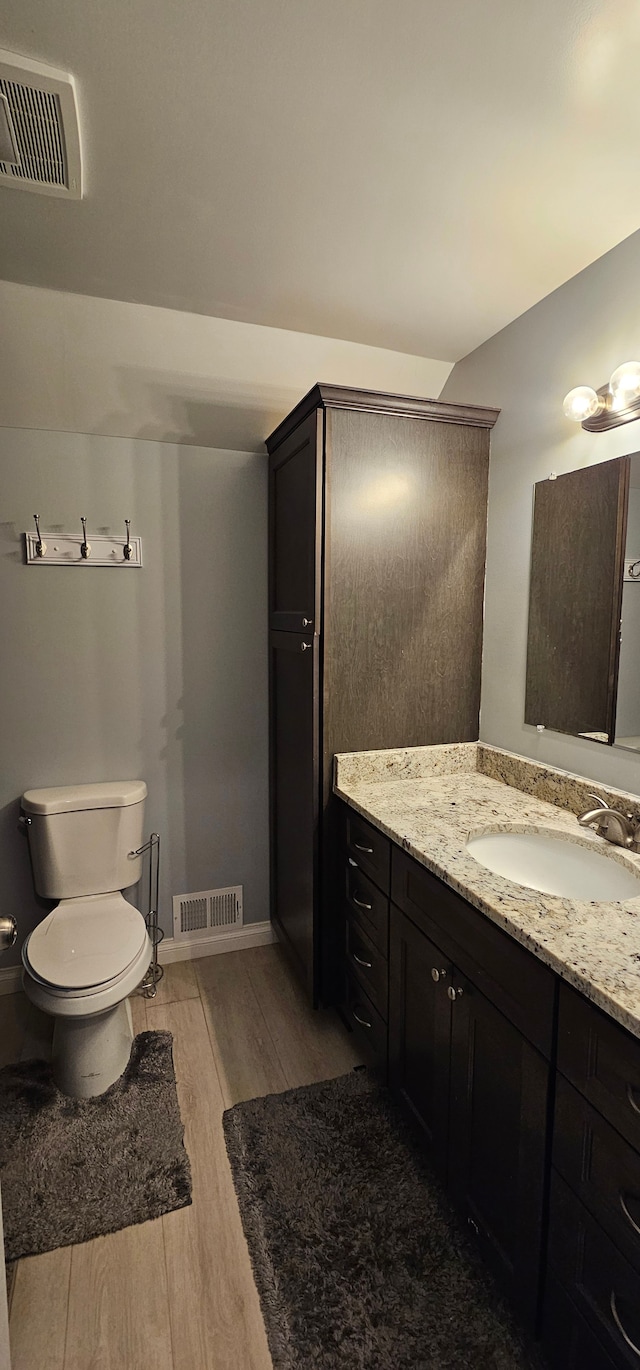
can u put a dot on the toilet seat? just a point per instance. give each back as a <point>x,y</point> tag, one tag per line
<point>85,945</point>
<point>86,1003</point>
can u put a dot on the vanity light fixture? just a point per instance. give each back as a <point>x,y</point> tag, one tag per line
<point>613,404</point>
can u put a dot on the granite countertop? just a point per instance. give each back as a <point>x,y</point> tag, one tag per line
<point>430,800</point>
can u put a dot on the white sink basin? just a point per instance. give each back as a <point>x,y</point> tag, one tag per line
<point>555,864</point>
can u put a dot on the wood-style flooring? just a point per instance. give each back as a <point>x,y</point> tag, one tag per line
<point>178,1293</point>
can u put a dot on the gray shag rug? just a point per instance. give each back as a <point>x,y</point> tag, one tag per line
<point>358,1260</point>
<point>73,1169</point>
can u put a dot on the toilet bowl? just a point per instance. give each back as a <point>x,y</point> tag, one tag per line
<point>92,950</point>
<point>80,965</point>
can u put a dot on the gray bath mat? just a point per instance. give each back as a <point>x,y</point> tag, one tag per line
<point>358,1262</point>
<point>72,1169</point>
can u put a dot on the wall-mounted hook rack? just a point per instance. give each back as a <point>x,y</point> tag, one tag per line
<point>73,549</point>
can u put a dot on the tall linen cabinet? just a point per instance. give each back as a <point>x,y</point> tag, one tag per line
<point>377,532</point>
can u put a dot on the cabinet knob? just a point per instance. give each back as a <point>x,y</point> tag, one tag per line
<point>306,646</point>
<point>437,975</point>
<point>306,622</point>
<point>454,993</point>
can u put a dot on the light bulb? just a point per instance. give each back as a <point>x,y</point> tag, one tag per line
<point>625,384</point>
<point>581,403</point>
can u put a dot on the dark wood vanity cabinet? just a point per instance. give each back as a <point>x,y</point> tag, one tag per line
<point>477,1081</point>
<point>377,509</point>
<point>526,1094</point>
<point>594,1212</point>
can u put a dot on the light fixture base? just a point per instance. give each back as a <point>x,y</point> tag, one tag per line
<point>608,417</point>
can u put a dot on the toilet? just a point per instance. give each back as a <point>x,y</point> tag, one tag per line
<point>88,955</point>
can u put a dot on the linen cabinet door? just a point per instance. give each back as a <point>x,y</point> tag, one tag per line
<point>497,1140</point>
<point>295,793</point>
<point>420,1030</point>
<point>295,529</point>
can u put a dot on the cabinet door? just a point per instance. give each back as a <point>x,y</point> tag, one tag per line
<point>404,580</point>
<point>497,1140</point>
<point>295,529</point>
<point>601,1282</point>
<point>295,796</point>
<point>566,1336</point>
<point>420,1030</point>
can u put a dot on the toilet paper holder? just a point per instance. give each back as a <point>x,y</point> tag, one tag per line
<point>156,934</point>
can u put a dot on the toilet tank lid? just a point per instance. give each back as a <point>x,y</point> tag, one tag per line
<point>109,794</point>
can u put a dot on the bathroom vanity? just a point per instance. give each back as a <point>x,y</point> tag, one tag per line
<point>508,1021</point>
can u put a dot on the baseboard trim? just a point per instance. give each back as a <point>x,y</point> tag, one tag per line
<point>251,935</point>
<point>10,979</point>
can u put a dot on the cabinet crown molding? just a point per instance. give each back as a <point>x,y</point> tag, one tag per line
<point>323,396</point>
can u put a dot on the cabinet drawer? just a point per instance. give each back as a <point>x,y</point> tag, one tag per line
<point>601,1167</point>
<point>510,976</point>
<point>602,1060</point>
<point>368,905</point>
<point>368,965</point>
<point>370,848</point>
<point>604,1286</point>
<point>369,1028</point>
<point>566,1337</point>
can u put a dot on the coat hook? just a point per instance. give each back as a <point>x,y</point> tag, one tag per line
<point>41,546</point>
<point>127,549</point>
<point>85,547</point>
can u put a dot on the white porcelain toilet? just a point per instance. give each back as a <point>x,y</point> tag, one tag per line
<point>85,958</point>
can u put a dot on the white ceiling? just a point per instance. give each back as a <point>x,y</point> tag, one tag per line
<point>411,174</point>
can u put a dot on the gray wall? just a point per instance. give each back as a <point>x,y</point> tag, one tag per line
<point>159,673</point>
<point>577,335</point>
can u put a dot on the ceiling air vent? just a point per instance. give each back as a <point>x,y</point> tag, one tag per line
<point>39,137</point>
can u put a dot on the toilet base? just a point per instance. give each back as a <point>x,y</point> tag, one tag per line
<point>90,1054</point>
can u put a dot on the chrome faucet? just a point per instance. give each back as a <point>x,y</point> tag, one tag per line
<point>623,829</point>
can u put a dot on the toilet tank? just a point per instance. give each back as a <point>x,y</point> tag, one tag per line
<point>80,837</point>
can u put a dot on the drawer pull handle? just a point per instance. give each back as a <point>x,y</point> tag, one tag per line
<point>359,962</point>
<point>618,1323</point>
<point>369,850</point>
<point>353,863</point>
<point>628,1215</point>
<point>630,1096</point>
<point>361,904</point>
<point>362,1021</point>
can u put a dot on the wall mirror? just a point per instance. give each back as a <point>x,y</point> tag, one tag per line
<point>583,651</point>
